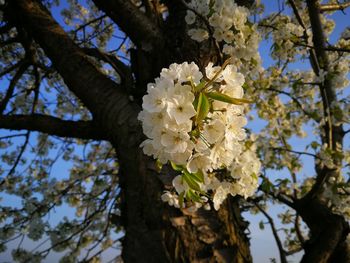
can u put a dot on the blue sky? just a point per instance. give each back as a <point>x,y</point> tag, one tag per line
<point>263,245</point>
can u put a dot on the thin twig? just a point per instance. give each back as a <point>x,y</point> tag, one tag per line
<point>9,93</point>
<point>295,100</point>
<point>296,152</point>
<point>281,250</point>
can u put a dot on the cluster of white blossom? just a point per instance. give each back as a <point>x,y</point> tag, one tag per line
<point>230,27</point>
<point>196,123</point>
<point>337,193</point>
<point>288,37</point>
<point>340,62</point>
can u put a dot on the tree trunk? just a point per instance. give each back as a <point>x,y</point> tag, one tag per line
<point>154,231</point>
<point>327,243</point>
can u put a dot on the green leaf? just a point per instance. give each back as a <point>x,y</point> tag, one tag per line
<point>224,98</point>
<point>254,176</point>
<point>200,86</point>
<point>266,186</point>
<point>193,196</point>
<point>181,199</point>
<point>193,86</point>
<point>261,225</point>
<point>296,84</point>
<point>190,181</point>
<point>159,165</point>
<point>195,102</point>
<point>282,182</point>
<point>245,86</point>
<point>198,176</point>
<point>314,145</point>
<point>202,107</point>
<point>176,167</point>
<point>254,62</point>
<point>195,133</point>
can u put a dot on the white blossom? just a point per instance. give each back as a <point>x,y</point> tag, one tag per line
<point>175,141</point>
<point>229,25</point>
<point>190,17</point>
<point>198,34</point>
<point>198,146</point>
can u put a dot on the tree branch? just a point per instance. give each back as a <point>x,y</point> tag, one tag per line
<point>12,136</point>
<point>327,93</point>
<point>297,102</point>
<point>312,56</point>
<point>10,68</point>
<point>288,200</point>
<point>141,30</point>
<point>333,7</point>
<point>281,250</point>
<point>279,149</point>
<point>19,156</point>
<point>83,78</point>
<point>298,231</point>
<point>93,21</point>
<point>9,93</point>
<point>52,125</point>
<point>328,231</point>
<point>123,70</point>
<point>337,49</point>
<point>333,134</point>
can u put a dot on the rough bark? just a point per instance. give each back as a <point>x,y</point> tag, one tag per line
<point>53,126</point>
<point>328,233</point>
<point>154,231</point>
<point>136,24</point>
